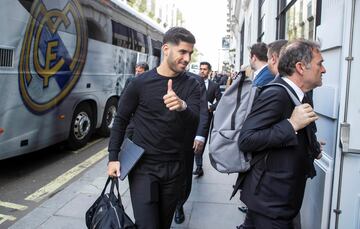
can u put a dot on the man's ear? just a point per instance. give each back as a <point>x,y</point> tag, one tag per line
<point>299,67</point>
<point>273,59</point>
<point>166,49</point>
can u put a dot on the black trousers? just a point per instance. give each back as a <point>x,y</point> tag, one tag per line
<point>188,176</point>
<point>199,156</point>
<point>254,220</point>
<point>154,190</point>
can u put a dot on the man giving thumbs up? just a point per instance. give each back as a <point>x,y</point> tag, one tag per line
<point>164,103</point>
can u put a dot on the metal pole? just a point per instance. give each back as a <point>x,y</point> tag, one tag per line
<point>344,126</point>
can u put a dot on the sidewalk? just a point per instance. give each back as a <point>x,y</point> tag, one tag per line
<point>208,206</point>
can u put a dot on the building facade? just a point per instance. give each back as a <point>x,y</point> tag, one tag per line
<point>164,12</point>
<point>332,198</point>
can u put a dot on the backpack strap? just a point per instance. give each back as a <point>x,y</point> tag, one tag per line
<point>293,97</point>
<point>238,101</point>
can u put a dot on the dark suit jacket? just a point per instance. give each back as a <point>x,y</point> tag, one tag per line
<point>203,127</point>
<point>275,185</point>
<point>264,77</point>
<point>213,92</point>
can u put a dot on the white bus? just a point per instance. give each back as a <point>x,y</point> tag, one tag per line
<point>194,68</point>
<point>63,65</point>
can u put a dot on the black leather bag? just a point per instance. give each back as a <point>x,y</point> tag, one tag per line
<point>107,212</point>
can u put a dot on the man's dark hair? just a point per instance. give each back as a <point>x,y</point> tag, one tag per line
<point>275,46</point>
<point>206,63</point>
<point>176,34</point>
<point>299,50</point>
<point>259,50</point>
<point>143,65</point>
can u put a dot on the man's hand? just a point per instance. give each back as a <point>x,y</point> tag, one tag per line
<point>172,101</point>
<point>114,168</point>
<point>198,146</point>
<point>319,156</point>
<point>302,116</point>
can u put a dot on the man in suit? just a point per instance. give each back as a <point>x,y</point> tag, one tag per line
<point>213,96</point>
<point>282,140</point>
<point>273,54</point>
<point>258,62</point>
<point>189,143</point>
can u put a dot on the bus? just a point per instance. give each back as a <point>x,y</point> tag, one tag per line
<point>63,65</point>
<point>194,68</point>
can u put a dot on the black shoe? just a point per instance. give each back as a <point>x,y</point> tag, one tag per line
<point>179,215</point>
<point>199,172</point>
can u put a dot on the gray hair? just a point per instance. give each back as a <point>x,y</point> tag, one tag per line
<point>299,50</point>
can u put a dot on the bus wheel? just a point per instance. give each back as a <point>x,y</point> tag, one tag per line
<point>81,126</point>
<point>108,117</point>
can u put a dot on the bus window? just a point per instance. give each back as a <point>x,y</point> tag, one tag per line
<point>95,31</point>
<point>26,4</point>
<point>156,46</point>
<point>140,41</point>
<point>121,35</point>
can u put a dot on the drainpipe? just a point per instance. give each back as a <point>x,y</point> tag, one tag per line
<point>345,126</point>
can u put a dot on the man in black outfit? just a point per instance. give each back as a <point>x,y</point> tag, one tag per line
<point>282,140</point>
<point>189,144</point>
<point>213,96</point>
<point>164,103</point>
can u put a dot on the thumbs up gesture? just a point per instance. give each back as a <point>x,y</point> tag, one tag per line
<point>172,101</point>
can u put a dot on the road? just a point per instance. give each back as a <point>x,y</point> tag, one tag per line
<point>28,180</point>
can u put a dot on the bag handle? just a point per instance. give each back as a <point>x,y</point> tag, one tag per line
<point>106,184</point>
<point>115,183</point>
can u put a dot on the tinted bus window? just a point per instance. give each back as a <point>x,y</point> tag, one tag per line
<point>122,35</point>
<point>140,41</point>
<point>156,46</point>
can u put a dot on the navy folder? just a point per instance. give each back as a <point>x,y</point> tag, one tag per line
<point>129,154</point>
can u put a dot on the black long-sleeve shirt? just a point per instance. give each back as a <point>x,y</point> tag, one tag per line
<point>158,130</point>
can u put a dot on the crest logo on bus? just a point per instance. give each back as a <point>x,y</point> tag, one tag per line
<point>53,53</point>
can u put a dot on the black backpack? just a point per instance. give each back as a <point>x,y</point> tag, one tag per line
<point>107,212</point>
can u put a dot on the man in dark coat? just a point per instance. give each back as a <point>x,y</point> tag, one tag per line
<point>282,140</point>
<point>189,144</point>
<point>213,96</point>
<point>258,62</point>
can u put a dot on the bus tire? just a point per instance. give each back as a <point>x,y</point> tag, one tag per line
<point>81,126</point>
<point>108,117</point>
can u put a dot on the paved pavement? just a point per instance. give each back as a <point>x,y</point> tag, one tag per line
<point>208,206</point>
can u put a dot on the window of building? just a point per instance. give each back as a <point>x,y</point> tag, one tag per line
<point>261,20</point>
<point>242,32</point>
<point>296,19</point>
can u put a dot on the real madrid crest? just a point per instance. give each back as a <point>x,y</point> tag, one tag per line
<point>53,53</point>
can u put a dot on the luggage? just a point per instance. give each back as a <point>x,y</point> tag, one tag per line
<point>231,113</point>
<point>107,212</point>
